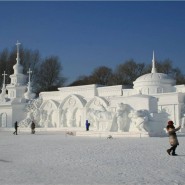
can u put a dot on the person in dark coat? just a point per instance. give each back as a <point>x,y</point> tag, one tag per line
<point>172,137</point>
<point>15,126</point>
<point>87,124</point>
<point>33,127</point>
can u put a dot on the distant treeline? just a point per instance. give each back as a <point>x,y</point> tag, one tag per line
<point>127,72</point>
<point>47,73</point>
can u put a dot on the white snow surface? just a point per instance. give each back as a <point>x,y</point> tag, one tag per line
<point>54,158</point>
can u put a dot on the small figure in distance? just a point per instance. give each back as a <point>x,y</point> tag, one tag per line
<point>32,128</point>
<point>87,124</point>
<point>172,137</point>
<point>15,126</point>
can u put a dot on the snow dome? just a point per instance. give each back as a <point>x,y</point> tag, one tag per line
<point>153,83</point>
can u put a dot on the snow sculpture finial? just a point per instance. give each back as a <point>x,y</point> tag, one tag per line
<point>3,93</point>
<point>153,64</point>
<point>4,74</point>
<point>18,59</point>
<point>29,95</point>
<point>29,72</point>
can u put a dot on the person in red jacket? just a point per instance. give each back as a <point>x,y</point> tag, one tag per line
<point>172,137</point>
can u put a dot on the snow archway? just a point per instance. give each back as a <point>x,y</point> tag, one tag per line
<point>71,111</point>
<point>49,114</point>
<point>3,120</point>
<point>99,114</point>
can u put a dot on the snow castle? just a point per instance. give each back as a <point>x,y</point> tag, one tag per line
<point>146,108</point>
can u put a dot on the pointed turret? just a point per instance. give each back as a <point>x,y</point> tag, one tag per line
<point>17,87</point>
<point>153,65</point>
<point>29,95</point>
<point>4,74</point>
<point>12,98</point>
<point>18,58</point>
<point>18,69</point>
<point>3,90</point>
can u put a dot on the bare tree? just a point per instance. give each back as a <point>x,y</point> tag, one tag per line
<point>127,72</point>
<point>49,75</point>
<point>30,59</point>
<point>82,80</point>
<point>102,75</point>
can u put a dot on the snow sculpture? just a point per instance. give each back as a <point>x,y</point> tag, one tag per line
<point>78,117</point>
<point>3,95</point>
<point>70,112</point>
<point>69,117</point>
<point>3,118</point>
<point>33,113</point>
<point>139,120</point>
<point>113,108</point>
<point>100,118</point>
<point>183,121</point>
<point>48,114</point>
<point>43,119</point>
<point>29,94</point>
<point>26,122</point>
<point>121,117</point>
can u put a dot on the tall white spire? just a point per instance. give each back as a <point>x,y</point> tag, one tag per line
<point>18,58</point>
<point>3,93</point>
<point>29,72</point>
<point>29,95</point>
<point>4,74</point>
<point>17,86</point>
<point>29,81</point>
<point>3,88</point>
<point>153,64</point>
<point>18,69</point>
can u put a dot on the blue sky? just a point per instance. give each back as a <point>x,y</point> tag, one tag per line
<point>86,35</point>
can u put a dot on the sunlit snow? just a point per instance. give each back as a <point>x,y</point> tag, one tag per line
<point>54,158</point>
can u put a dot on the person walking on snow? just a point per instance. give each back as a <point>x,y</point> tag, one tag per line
<point>87,125</point>
<point>33,127</point>
<point>15,126</point>
<point>172,137</point>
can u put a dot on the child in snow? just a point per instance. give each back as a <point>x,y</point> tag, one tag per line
<point>172,137</point>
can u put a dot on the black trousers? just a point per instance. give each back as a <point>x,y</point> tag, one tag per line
<point>173,148</point>
<point>15,131</point>
<point>33,131</point>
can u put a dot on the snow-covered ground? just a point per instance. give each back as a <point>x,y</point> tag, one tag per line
<point>52,158</point>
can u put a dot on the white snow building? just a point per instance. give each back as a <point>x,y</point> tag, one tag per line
<point>146,108</point>
<point>12,105</point>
